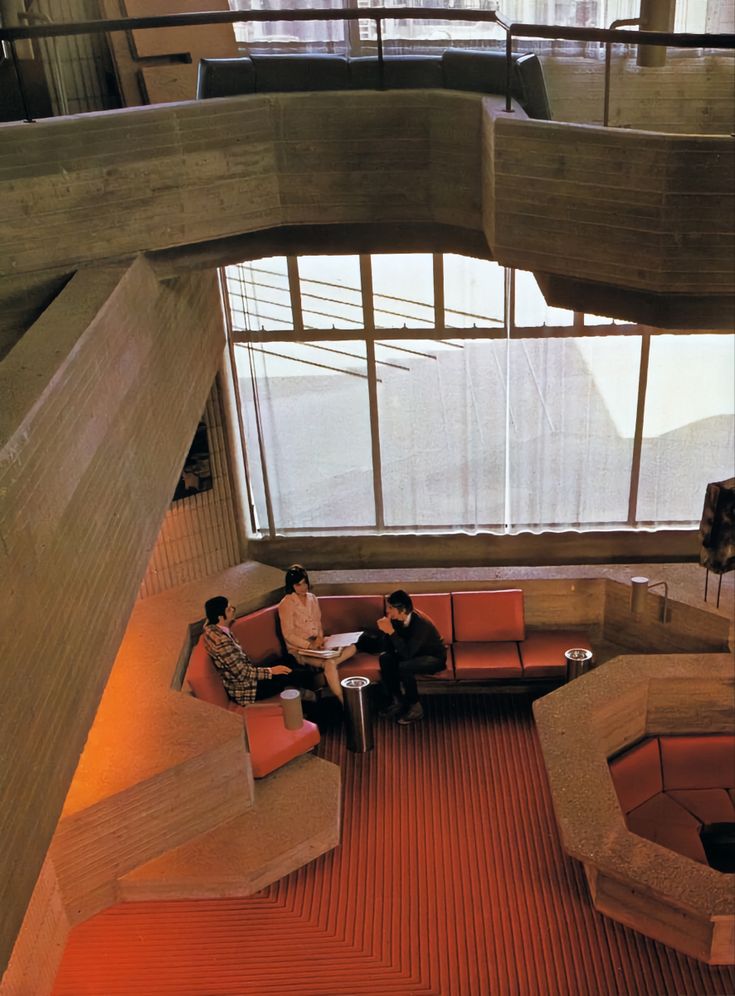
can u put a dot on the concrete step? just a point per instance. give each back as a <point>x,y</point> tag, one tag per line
<point>295,818</point>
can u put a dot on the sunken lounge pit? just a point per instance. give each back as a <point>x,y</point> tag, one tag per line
<point>677,709</point>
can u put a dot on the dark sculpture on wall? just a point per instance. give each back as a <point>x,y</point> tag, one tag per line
<point>196,475</point>
<point>717,530</point>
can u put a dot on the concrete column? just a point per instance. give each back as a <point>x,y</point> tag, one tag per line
<point>9,14</point>
<point>656,15</point>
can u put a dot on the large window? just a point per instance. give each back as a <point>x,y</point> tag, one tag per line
<point>412,391</point>
<point>411,33</point>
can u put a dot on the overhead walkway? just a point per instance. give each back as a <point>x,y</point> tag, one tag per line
<point>631,224</point>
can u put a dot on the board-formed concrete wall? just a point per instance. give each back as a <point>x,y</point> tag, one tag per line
<point>100,401</point>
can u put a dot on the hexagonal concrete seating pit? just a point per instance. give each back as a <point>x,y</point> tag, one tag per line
<point>670,788</point>
<point>667,723</point>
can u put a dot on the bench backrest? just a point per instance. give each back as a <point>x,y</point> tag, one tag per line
<point>438,607</point>
<point>636,774</point>
<point>488,616</point>
<point>706,761</point>
<point>673,763</point>
<point>347,613</point>
<point>205,681</point>
<point>259,636</point>
<point>481,71</point>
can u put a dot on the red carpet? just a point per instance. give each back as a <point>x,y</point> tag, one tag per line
<point>450,880</point>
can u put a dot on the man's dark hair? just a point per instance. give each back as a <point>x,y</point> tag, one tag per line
<point>215,607</point>
<point>400,600</point>
<point>294,574</point>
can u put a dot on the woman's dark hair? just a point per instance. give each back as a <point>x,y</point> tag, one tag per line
<point>400,600</point>
<point>214,608</point>
<point>294,574</point>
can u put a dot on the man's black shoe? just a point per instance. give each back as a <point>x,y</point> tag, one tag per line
<point>412,715</point>
<point>392,710</point>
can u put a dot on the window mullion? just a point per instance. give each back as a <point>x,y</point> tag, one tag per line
<point>366,283</point>
<point>439,325</point>
<point>509,321</point>
<point>635,467</point>
<point>294,287</point>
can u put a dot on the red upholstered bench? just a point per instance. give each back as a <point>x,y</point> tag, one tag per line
<point>352,614</point>
<point>699,773</point>
<point>487,628</point>
<point>484,632</point>
<point>438,607</point>
<point>271,744</point>
<point>542,651</point>
<point>670,786</point>
<point>259,636</point>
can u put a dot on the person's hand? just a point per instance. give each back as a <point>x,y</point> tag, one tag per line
<point>280,669</point>
<point>385,625</point>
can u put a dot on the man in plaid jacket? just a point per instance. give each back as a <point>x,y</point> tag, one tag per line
<point>244,681</point>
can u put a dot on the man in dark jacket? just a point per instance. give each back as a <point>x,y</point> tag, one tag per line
<point>413,646</point>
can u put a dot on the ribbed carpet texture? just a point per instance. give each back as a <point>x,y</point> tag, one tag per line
<point>450,879</point>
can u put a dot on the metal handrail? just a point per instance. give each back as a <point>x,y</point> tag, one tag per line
<point>516,29</point>
<point>234,17</point>
<point>376,14</point>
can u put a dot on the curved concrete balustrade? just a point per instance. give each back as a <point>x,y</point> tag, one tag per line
<point>640,212</point>
<point>615,211</point>
<point>664,895</point>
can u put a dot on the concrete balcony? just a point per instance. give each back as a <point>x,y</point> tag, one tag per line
<point>630,224</point>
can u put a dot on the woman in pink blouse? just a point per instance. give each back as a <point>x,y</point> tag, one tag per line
<point>301,625</point>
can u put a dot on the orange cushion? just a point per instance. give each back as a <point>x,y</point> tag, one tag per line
<point>542,652</point>
<point>350,613</point>
<point>271,744</point>
<point>706,761</point>
<point>708,805</point>
<point>257,635</point>
<point>205,681</point>
<point>636,774</point>
<point>477,661</point>
<point>488,615</point>
<point>438,607</point>
<point>662,820</point>
<point>368,666</point>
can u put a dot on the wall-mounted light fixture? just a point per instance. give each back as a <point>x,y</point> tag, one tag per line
<point>639,593</point>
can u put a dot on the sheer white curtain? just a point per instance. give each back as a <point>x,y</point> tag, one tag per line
<point>442,431</point>
<point>307,423</point>
<point>572,422</point>
<point>312,35</point>
<point>476,426</point>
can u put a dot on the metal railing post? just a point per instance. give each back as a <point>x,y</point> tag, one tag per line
<point>381,64</point>
<point>606,102</point>
<point>21,88</point>
<point>608,59</point>
<point>508,68</point>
